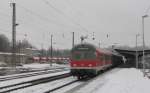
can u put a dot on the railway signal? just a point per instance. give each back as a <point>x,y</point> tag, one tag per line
<point>143,17</point>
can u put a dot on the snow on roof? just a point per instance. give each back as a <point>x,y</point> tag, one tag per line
<point>6,53</point>
<point>31,49</point>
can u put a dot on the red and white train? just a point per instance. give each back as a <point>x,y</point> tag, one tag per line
<point>48,59</point>
<point>88,60</point>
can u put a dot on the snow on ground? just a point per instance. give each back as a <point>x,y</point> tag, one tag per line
<point>41,66</point>
<point>50,69</point>
<point>126,81</point>
<point>129,80</point>
<point>15,81</point>
<point>118,80</point>
<point>46,86</point>
<point>30,67</point>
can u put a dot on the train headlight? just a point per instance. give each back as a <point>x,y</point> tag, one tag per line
<point>74,65</point>
<point>90,65</point>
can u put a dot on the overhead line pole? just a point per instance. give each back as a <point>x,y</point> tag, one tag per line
<point>72,39</point>
<point>99,44</point>
<point>143,17</point>
<point>51,49</point>
<point>143,45</point>
<point>13,35</point>
<point>136,55</point>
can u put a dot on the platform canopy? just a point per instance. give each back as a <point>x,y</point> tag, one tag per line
<point>130,55</point>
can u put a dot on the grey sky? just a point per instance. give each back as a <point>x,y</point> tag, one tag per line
<point>120,19</point>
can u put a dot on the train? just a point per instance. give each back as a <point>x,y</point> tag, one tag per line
<point>88,60</point>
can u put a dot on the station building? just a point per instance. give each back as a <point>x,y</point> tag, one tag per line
<point>6,58</point>
<point>130,56</point>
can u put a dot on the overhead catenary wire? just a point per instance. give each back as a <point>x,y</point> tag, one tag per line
<point>3,12</point>
<point>30,24</point>
<point>67,17</point>
<point>147,10</point>
<point>43,18</point>
<point>72,8</point>
<point>4,19</point>
<point>10,27</point>
<point>34,14</point>
<point>8,32</point>
<point>4,15</point>
<point>4,30</point>
<point>40,17</point>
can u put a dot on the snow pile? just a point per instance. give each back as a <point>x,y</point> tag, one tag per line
<point>36,65</point>
<point>45,86</point>
<point>126,81</point>
<point>43,65</point>
<point>16,81</point>
<point>118,80</point>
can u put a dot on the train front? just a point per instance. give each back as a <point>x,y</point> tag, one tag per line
<point>83,60</point>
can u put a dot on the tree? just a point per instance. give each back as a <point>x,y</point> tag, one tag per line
<point>4,43</point>
<point>59,52</point>
<point>23,45</point>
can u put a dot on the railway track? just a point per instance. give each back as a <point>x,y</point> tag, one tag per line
<point>26,84</point>
<point>31,74</point>
<point>73,86</point>
<point>61,86</point>
<point>53,84</point>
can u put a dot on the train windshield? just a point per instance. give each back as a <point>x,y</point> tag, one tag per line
<point>84,55</point>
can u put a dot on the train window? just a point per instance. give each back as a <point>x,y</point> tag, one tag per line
<point>89,55</point>
<point>101,57</point>
<point>84,55</point>
<point>106,57</point>
<point>77,56</point>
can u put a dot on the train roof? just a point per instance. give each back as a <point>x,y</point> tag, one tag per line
<point>91,47</point>
<point>114,52</point>
<point>83,45</point>
<point>108,51</point>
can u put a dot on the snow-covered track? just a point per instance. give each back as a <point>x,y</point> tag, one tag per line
<point>22,85</point>
<point>31,74</point>
<point>61,86</point>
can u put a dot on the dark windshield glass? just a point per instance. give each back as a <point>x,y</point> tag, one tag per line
<point>84,55</point>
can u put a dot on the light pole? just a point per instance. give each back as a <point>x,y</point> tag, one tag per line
<point>145,16</point>
<point>51,49</point>
<point>72,39</point>
<point>136,52</point>
<point>99,44</point>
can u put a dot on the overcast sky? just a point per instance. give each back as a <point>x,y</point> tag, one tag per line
<point>111,21</point>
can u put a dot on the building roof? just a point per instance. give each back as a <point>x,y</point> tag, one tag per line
<point>8,53</point>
